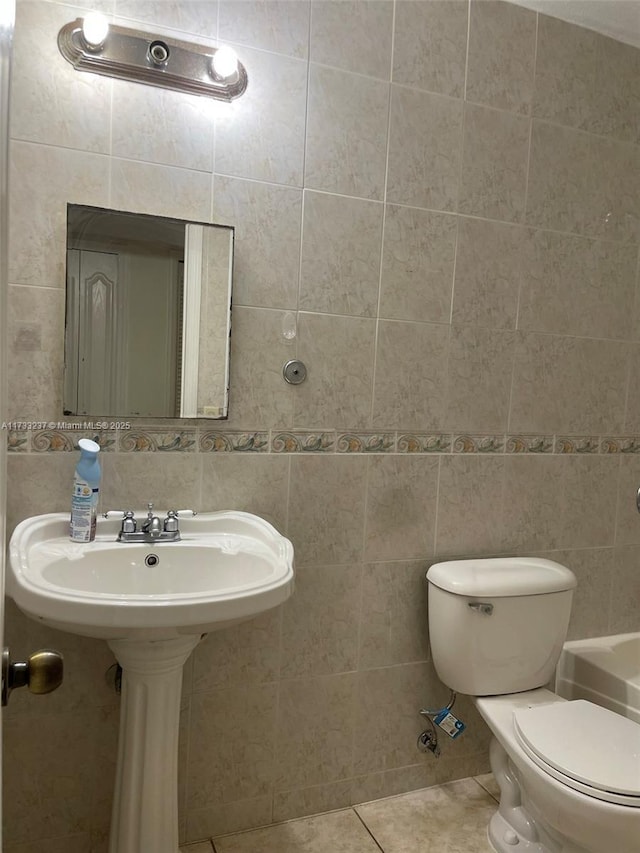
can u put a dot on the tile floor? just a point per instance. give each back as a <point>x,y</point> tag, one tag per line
<point>449,818</point>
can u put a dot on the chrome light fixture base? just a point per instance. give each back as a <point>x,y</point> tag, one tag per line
<point>143,58</point>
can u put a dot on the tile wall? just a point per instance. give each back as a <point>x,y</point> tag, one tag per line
<point>447,198</point>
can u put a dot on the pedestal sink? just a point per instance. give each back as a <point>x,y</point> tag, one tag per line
<point>153,603</point>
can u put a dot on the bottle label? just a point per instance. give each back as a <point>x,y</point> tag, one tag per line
<point>84,506</point>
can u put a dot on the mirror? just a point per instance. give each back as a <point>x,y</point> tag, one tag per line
<point>148,316</point>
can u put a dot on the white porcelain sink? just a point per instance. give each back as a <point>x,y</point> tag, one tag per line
<point>228,566</point>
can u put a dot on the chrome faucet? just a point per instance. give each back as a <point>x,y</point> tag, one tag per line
<point>152,529</point>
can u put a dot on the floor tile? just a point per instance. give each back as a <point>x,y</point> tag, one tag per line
<point>338,832</point>
<point>488,782</point>
<point>451,818</point>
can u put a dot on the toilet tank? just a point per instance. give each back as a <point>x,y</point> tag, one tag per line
<point>497,625</point>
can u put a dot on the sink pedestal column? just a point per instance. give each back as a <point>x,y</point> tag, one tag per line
<point>145,806</point>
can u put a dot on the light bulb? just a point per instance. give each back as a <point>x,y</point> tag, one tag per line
<point>224,63</point>
<point>95,28</point>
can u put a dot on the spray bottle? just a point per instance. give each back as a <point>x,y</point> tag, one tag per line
<point>84,498</point>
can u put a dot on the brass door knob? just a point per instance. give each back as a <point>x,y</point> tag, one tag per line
<point>41,673</point>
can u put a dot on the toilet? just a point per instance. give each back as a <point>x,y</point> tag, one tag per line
<point>568,771</point>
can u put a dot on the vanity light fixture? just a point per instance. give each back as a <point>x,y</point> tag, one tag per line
<point>92,44</point>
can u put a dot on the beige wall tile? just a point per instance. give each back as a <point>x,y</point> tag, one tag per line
<point>589,512</point>
<point>314,800</point>
<point>394,614</point>
<point>38,483</point>
<point>258,395</point>
<point>248,482</point>
<point>489,261</point>
<point>632,415</point>
<point>237,816</point>
<point>480,370</point>
<point>494,164</point>
<point>261,136</point>
<point>419,250</point>
<point>424,149</point>
<point>502,49</point>
<point>338,353</point>
<point>41,78</point>
<point>198,18</point>
<point>625,591</point>
<point>340,270</point>
<point>430,45</point>
<point>533,500</point>
<point>573,385</point>
<point>160,190</point>
<point>410,380</point>
<point>388,783</point>
<point>131,480</point>
<point>172,128</point>
<point>43,179</point>
<point>326,509</point>
<point>401,507</point>
<point>266,252</point>
<point>470,502</point>
<point>584,184</point>
<point>321,620</point>
<point>232,730</point>
<point>387,738</point>
<point>245,654</point>
<point>346,133</point>
<point>314,731</point>
<point>594,569</point>
<point>576,286</point>
<point>586,80</point>
<point>35,353</point>
<point>628,520</point>
<point>353,34</point>
<point>275,25</point>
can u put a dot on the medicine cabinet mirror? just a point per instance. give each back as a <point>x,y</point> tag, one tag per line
<point>148,315</point>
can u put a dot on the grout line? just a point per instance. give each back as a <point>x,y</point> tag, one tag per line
<point>466,55</point>
<point>373,838</point>
<point>530,116</point>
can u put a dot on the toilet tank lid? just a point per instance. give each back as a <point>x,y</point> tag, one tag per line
<point>501,576</point>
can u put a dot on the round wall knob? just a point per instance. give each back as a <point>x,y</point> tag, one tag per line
<point>42,673</point>
<point>294,372</point>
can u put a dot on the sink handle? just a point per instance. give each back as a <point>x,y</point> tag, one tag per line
<point>180,512</point>
<point>121,512</point>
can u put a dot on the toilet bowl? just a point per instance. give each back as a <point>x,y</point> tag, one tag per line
<point>568,772</point>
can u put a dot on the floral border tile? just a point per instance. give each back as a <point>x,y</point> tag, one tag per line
<point>366,442</point>
<point>577,444</point>
<point>529,444</point>
<point>303,442</point>
<point>17,441</point>
<point>478,444</point>
<point>626,444</point>
<point>52,441</point>
<point>424,443</point>
<point>230,442</point>
<point>151,441</point>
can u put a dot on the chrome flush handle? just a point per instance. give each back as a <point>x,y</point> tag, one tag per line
<point>483,607</point>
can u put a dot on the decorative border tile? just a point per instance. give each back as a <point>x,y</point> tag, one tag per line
<point>17,441</point>
<point>424,443</point>
<point>229,442</point>
<point>529,444</point>
<point>366,442</point>
<point>301,442</point>
<point>151,441</point>
<point>577,444</point>
<point>478,444</point>
<point>52,441</point>
<point>628,444</point>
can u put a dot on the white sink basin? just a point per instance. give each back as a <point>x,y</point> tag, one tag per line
<point>229,566</point>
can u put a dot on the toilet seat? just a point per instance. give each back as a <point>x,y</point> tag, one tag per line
<point>586,747</point>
